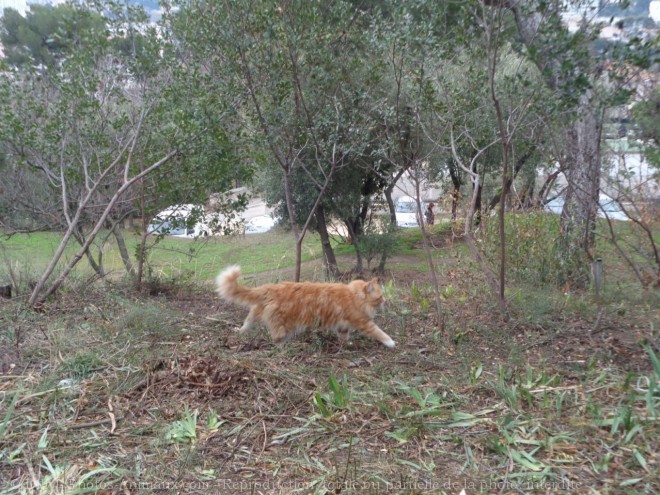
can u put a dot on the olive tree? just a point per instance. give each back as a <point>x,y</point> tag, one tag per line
<point>288,69</point>
<point>95,122</point>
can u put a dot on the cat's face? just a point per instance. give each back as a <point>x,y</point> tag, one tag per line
<point>374,294</point>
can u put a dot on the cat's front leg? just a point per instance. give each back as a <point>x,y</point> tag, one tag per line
<point>373,331</point>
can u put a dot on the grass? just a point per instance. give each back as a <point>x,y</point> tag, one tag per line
<point>256,253</point>
<point>171,258</point>
<point>110,390</point>
<point>410,427</point>
<point>196,259</point>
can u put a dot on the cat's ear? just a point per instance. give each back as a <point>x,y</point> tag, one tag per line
<point>371,286</point>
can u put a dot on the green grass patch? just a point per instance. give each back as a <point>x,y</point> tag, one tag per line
<point>196,259</point>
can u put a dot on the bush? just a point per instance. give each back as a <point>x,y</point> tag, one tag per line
<point>377,240</point>
<point>532,246</point>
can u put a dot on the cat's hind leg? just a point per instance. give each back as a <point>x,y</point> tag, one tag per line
<point>344,334</point>
<point>278,333</point>
<point>252,317</point>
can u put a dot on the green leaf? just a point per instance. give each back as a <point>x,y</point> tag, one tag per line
<point>319,402</point>
<point>526,460</point>
<point>640,459</point>
<point>10,410</point>
<point>43,440</point>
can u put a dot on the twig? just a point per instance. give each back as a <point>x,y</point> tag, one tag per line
<point>111,415</point>
<point>45,392</point>
<point>91,424</point>
<point>552,389</point>
<point>596,328</point>
<point>35,481</point>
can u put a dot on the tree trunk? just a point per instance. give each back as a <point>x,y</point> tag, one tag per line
<point>455,174</point>
<point>359,260</point>
<point>526,199</point>
<point>578,218</point>
<point>469,239</point>
<point>293,219</point>
<point>142,249</point>
<point>547,186</point>
<point>455,196</point>
<point>429,256</point>
<point>477,203</point>
<point>380,269</point>
<point>362,217</point>
<point>79,236</point>
<point>390,203</point>
<point>123,250</point>
<point>139,277</point>
<point>518,166</point>
<point>329,259</point>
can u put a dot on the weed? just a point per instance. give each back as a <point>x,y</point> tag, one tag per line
<point>183,430</point>
<point>8,414</point>
<point>338,397</point>
<point>475,372</point>
<point>322,419</point>
<point>378,240</point>
<point>532,251</point>
<point>144,319</point>
<point>80,366</point>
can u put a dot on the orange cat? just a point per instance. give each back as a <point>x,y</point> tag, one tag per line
<point>289,307</point>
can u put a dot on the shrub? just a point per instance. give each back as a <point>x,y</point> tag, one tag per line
<point>532,246</point>
<point>377,242</point>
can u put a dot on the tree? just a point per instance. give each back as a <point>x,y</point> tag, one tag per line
<point>96,122</point>
<point>567,67</point>
<point>38,38</point>
<point>347,201</point>
<point>573,68</point>
<point>290,90</point>
<point>646,113</point>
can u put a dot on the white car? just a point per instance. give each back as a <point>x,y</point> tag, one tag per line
<point>405,209</point>
<point>259,224</point>
<point>180,221</point>
<point>607,208</point>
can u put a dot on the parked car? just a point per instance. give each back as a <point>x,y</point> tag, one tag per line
<point>405,209</point>
<point>180,221</point>
<point>555,206</point>
<point>607,208</point>
<point>259,224</point>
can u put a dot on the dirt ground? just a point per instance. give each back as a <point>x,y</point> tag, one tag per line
<point>425,417</point>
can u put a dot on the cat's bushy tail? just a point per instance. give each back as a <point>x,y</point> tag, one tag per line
<point>228,288</point>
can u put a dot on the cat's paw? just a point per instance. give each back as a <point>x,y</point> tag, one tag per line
<point>389,343</point>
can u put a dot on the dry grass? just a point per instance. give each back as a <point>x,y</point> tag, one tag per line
<point>108,392</point>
